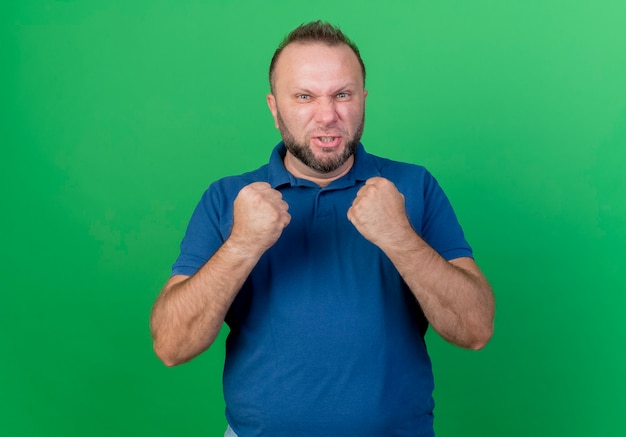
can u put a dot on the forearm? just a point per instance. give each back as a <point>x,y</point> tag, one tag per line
<point>188,314</point>
<point>454,296</point>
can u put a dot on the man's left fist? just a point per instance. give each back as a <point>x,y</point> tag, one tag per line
<point>378,212</point>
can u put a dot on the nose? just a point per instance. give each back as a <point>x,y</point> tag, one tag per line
<point>326,112</point>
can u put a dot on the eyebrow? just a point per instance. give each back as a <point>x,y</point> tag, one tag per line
<point>351,86</point>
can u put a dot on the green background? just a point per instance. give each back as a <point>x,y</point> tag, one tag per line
<point>116,115</point>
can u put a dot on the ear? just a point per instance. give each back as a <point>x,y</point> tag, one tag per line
<point>271,103</point>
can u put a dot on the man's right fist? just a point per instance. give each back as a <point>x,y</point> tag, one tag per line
<point>259,216</point>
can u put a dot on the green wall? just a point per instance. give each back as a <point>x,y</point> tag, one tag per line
<point>116,115</point>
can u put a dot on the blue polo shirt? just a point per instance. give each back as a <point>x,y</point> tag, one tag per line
<point>325,337</point>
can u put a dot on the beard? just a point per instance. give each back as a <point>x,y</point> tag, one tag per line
<point>304,153</point>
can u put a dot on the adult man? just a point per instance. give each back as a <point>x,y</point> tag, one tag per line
<point>327,264</point>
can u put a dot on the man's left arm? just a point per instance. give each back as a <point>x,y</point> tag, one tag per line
<point>454,295</point>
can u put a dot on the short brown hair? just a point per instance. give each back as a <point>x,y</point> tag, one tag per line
<point>315,31</point>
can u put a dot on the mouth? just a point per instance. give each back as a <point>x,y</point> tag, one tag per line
<point>327,142</point>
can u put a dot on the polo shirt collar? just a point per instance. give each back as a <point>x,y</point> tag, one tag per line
<point>362,169</point>
<point>277,173</point>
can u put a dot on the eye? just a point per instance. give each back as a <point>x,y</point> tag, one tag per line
<point>343,96</point>
<point>303,97</point>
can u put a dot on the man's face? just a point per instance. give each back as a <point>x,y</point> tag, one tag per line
<point>318,105</point>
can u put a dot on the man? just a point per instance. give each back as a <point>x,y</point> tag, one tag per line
<point>327,264</point>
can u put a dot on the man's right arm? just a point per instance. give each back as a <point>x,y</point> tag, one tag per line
<point>190,310</point>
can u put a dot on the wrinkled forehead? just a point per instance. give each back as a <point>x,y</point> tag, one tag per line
<point>316,61</point>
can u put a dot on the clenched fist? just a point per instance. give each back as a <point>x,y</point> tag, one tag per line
<point>259,216</point>
<point>378,212</point>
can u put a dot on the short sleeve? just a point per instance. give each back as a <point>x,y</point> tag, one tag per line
<point>207,229</point>
<point>440,227</point>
